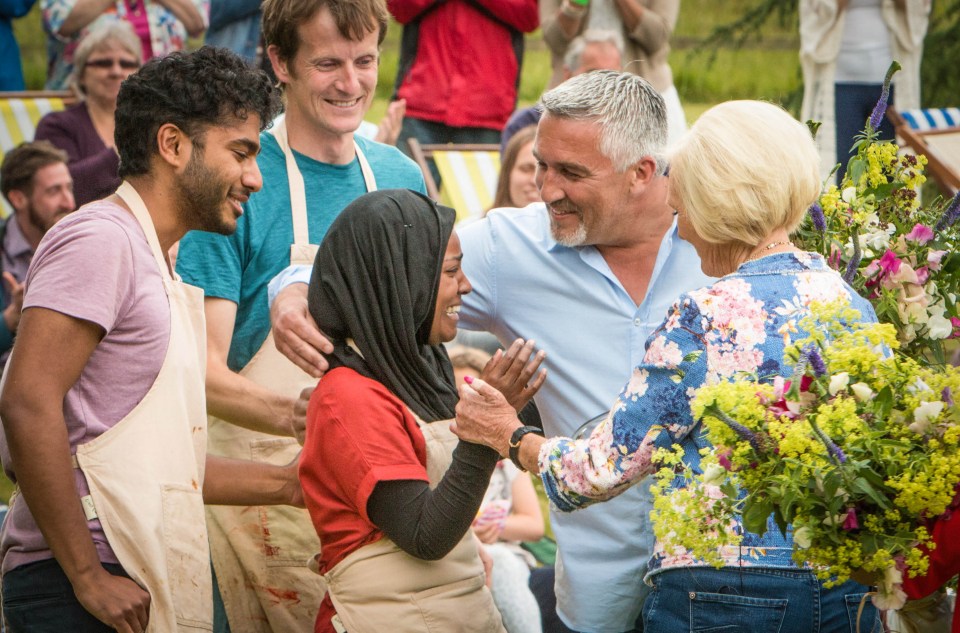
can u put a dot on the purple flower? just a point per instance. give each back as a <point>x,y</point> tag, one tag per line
<point>850,522</point>
<point>816,214</point>
<point>876,117</point>
<point>835,451</point>
<point>854,262</point>
<point>815,360</point>
<point>742,432</point>
<point>949,216</point>
<point>947,396</point>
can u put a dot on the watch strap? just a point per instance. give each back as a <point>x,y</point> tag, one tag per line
<point>515,440</point>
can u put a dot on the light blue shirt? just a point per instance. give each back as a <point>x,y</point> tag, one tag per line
<point>569,301</point>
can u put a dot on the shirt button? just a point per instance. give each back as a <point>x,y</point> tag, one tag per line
<point>636,322</point>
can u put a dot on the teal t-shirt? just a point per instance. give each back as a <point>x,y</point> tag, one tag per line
<point>238,267</point>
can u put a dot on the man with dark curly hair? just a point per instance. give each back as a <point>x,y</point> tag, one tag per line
<point>325,54</point>
<point>103,409</point>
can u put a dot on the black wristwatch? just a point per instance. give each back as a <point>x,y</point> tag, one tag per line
<point>515,443</point>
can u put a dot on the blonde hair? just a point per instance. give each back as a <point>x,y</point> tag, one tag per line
<point>115,31</point>
<point>745,169</point>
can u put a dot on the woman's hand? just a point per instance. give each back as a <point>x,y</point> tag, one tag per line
<point>510,372</point>
<point>485,417</point>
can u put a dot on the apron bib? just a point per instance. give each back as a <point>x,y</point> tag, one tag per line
<point>380,587</point>
<point>260,553</point>
<point>146,473</point>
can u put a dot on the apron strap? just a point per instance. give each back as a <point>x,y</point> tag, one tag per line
<point>298,194</point>
<point>129,195</point>
<point>89,510</point>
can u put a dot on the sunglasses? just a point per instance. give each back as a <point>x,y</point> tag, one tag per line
<point>126,64</point>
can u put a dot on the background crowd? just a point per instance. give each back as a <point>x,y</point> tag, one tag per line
<point>410,514</point>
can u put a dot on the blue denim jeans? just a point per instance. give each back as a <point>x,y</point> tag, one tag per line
<point>38,598</point>
<point>754,600</point>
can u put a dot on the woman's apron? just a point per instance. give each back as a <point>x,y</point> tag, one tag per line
<point>146,473</point>
<point>380,588</point>
<point>260,554</point>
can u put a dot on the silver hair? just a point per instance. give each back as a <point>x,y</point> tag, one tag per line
<point>631,114</point>
<point>571,60</point>
<point>119,31</point>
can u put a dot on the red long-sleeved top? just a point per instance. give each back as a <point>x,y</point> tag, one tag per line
<point>461,61</point>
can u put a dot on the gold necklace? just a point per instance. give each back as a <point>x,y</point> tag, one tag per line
<point>769,247</point>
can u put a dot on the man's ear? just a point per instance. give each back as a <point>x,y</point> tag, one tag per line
<point>643,171</point>
<point>18,199</point>
<point>280,66</point>
<point>173,145</point>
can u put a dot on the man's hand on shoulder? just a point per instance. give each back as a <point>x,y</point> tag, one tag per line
<point>295,333</point>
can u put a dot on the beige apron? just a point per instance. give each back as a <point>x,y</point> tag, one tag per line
<point>380,588</point>
<point>146,473</point>
<point>260,553</point>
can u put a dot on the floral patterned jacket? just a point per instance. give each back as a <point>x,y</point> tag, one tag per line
<point>741,323</point>
<point>167,34</point>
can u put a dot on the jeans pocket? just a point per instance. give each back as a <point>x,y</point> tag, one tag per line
<point>726,613</point>
<point>869,617</point>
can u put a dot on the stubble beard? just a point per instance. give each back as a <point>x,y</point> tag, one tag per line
<point>201,197</point>
<point>576,237</point>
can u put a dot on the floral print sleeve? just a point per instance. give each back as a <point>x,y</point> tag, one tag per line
<point>652,411</point>
<point>740,324</point>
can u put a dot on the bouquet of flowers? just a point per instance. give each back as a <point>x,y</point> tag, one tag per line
<point>896,252</point>
<point>857,451</point>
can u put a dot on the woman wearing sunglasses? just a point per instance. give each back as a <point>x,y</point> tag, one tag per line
<point>84,131</point>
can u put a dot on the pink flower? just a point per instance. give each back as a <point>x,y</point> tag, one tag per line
<point>850,523</point>
<point>934,257</point>
<point>923,274</point>
<point>890,263</point>
<point>723,458</point>
<point>920,234</point>
<point>955,322</point>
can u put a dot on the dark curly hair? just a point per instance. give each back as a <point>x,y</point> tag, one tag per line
<point>192,91</point>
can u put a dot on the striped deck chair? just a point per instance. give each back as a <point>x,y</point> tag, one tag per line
<point>19,114</point>
<point>469,174</point>
<point>935,133</point>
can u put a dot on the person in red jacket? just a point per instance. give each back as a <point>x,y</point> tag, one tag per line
<point>460,67</point>
<point>944,562</point>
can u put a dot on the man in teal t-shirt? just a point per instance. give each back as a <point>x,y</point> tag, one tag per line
<point>313,166</point>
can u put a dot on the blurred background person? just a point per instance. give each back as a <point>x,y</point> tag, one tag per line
<point>517,184</point>
<point>235,24</point>
<point>595,49</point>
<point>645,27</point>
<point>36,182</point>
<point>846,47</point>
<point>509,513</point>
<point>459,67</point>
<point>162,26</point>
<point>104,58</point>
<point>11,70</point>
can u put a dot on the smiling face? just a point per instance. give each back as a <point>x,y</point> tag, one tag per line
<point>523,181</point>
<point>588,200</point>
<point>51,197</point>
<point>106,68</point>
<point>331,80</point>
<point>220,176</point>
<point>453,285</point>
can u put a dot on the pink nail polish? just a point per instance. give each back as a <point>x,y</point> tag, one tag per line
<point>468,380</point>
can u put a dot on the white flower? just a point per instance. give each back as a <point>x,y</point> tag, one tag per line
<point>890,594</point>
<point>802,537</point>
<point>849,195</point>
<point>714,475</point>
<point>838,382</point>
<point>939,327</point>
<point>861,391</point>
<point>926,413</point>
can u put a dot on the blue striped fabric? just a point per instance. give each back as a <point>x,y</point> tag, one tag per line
<point>932,118</point>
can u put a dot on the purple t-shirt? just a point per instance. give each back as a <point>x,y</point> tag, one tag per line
<point>95,265</point>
